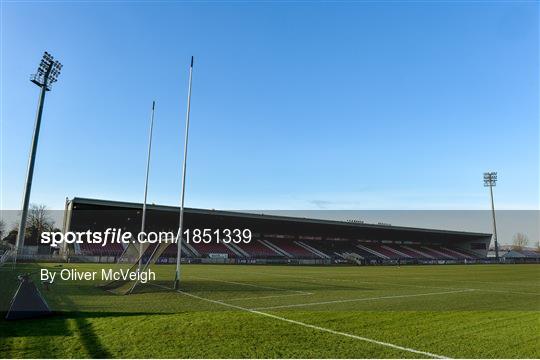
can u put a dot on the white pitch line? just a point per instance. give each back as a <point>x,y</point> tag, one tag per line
<point>317,281</point>
<point>373,341</point>
<point>509,292</point>
<point>481,282</point>
<point>253,285</point>
<point>476,281</point>
<point>266,297</point>
<point>362,299</point>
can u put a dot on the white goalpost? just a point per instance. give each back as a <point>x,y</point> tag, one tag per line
<point>139,256</point>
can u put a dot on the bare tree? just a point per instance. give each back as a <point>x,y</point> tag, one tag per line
<point>520,240</point>
<point>38,217</point>
<point>38,220</point>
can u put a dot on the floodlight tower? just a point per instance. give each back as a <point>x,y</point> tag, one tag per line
<point>46,75</point>
<point>490,180</point>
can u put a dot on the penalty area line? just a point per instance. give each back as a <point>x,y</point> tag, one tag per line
<point>315,327</point>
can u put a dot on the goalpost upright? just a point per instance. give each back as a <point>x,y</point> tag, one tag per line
<point>143,224</point>
<point>181,222</point>
<point>139,264</point>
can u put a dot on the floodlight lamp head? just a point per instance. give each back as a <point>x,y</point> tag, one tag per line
<point>490,179</point>
<point>47,72</point>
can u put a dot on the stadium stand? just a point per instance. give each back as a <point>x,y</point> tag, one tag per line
<point>448,253</point>
<point>306,249</point>
<point>365,253</point>
<point>310,248</point>
<point>214,248</point>
<point>329,248</point>
<point>379,251</point>
<point>171,251</point>
<point>398,252</point>
<point>457,253</point>
<point>99,250</point>
<point>292,249</point>
<point>280,239</point>
<point>434,253</point>
<point>407,251</point>
<point>258,249</point>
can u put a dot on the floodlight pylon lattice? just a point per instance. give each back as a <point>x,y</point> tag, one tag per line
<point>490,180</point>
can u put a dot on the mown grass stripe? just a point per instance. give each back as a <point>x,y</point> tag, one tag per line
<point>315,327</point>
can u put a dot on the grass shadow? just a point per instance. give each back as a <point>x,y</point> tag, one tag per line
<point>85,331</point>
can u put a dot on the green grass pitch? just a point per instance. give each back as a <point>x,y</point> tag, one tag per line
<point>249,311</point>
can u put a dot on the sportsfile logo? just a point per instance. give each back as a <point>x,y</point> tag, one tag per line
<point>118,236</point>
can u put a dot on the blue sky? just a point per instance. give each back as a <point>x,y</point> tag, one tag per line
<point>295,105</point>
